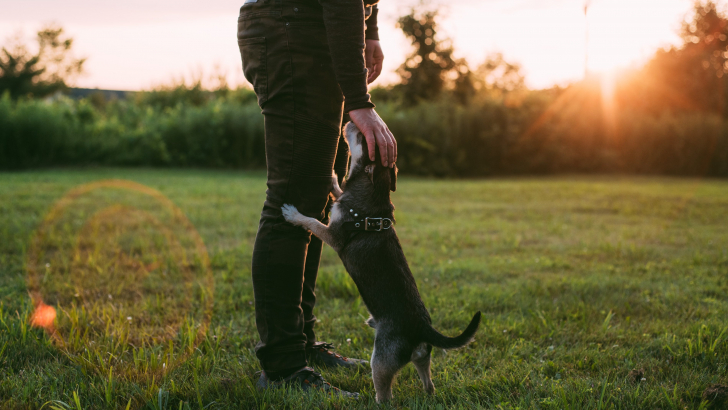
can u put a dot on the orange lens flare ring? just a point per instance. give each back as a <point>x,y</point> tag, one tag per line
<point>106,276</point>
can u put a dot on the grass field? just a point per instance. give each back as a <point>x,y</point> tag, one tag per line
<point>597,293</point>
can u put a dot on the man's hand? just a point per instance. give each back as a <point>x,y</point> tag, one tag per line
<point>374,58</point>
<point>376,131</point>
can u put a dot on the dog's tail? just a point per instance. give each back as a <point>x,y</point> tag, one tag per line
<point>437,339</point>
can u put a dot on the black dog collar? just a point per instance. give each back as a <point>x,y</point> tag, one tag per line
<point>368,224</point>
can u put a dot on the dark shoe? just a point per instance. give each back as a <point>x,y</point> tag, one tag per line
<point>307,379</point>
<point>320,354</point>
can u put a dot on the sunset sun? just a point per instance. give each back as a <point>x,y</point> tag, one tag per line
<point>617,33</point>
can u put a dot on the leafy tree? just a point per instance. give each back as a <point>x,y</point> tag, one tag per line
<point>50,69</point>
<point>432,69</point>
<point>693,75</point>
<point>497,74</point>
<point>424,74</point>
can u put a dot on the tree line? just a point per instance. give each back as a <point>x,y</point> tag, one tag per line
<point>450,119</point>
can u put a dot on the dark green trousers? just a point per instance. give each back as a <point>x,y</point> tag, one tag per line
<point>286,58</point>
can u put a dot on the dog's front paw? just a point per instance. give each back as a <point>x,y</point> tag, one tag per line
<point>291,214</point>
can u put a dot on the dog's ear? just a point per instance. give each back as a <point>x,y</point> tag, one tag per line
<point>369,169</point>
<point>393,178</point>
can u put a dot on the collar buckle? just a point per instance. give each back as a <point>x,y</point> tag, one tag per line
<point>377,224</point>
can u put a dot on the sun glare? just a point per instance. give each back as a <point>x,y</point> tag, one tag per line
<point>618,33</point>
<point>608,86</point>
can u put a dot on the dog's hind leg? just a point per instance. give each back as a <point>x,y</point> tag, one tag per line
<point>385,365</point>
<point>421,359</point>
<point>291,214</point>
<point>383,372</point>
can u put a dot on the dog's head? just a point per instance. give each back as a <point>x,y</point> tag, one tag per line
<point>378,174</point>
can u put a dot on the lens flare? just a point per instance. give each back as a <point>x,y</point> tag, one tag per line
<point>43,317</point>
<point>121,279</point>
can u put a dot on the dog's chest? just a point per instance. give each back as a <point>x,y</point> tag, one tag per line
<point>336,213</point>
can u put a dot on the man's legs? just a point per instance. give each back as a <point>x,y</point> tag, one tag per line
<point>286,58</point>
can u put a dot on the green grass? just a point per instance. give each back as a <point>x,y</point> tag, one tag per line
<point>580,281</point>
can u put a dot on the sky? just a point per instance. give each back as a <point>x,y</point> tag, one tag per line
<point>140,44</point>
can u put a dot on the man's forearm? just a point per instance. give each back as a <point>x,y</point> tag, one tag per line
<point>344,20</point>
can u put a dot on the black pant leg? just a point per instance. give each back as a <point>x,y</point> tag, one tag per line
<point>286,58</point>
<point>308,297</point>
<point>313,257</point>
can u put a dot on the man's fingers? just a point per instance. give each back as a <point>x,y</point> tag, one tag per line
<point>371,144</point>
<point>369,59</point>
<point>394,147</point>
<point>374,72</point>
<point>391,148</point>
<point>385,147</point>
<point>378,64</point>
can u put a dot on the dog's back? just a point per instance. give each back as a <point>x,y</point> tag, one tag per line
<point>382,275</point>
<point>378,266</point>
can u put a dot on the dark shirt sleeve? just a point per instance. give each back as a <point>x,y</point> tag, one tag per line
<point>344,20</point>
<point>372,31</point>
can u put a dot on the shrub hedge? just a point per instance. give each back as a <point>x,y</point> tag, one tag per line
<point>532,133</point>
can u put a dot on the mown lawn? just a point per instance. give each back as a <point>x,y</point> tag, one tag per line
<point>580,280</point>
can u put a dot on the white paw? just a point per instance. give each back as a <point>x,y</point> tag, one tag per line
<point>335,188</point>
<point>291,214</point>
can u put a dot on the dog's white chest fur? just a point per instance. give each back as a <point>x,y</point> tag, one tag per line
<point>336,212</point>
